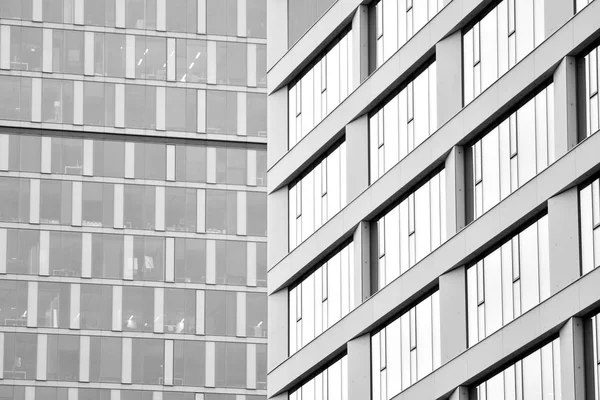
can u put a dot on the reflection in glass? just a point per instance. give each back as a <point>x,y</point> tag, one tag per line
<point>65,253</point>
<point>221,17</point>
<point>138,309</point>
<point>98,204</point>
<point>22,251</point>
<point>20,356</point>
<point>57,101</point>
<point>54,302</point>
<point>140,14</point>
<point>13,298</point>
<point>182,16</point>
<point>231,261</point>
<point>180,311</point>
<point>256,315</point>
<point>107,256</point>
<point>67,51</point>
<point>139,207</point>
<point>15,98</point>
<point>25,48</point>
<point>221,212</point>
<point>191,61</point>
<point>147,361</point>
<point>63,358</point>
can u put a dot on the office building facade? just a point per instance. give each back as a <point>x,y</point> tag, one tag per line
<point>434,201</point>
<point>133,199</point>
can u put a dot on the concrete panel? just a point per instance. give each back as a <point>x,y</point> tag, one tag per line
<point>565,107</point>
<point>360,43</point>
<point>276,26</point>
<point>448,56</point>
<point>572,360</point>
<point>453,313</point>
<point>359,370</point>
<point>362,262</point>
<point>278,328</point>
<point>455,191</point>
<point>277,232</point>
<point>357,149</point>
<point>556,13</point>
<point>277,124</point>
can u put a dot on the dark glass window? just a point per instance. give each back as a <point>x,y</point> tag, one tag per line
<point>15,98</point>
<point>261,264</point>
<point>140,14</point>
<point>221,17</point>
<point>150,58</point>
<point>221,211</point>
<point>57,101</point>
<point>190,260</point>
<point>256,315</point>
<point>23,252</point>
<point>63,358</point>
<point>55,202</point>
<point>180,214</point>
<point>256,214</point>
<point>14,197</point>
<point>302,14</point>
<point>189,363</point>
<point>256,17</point>
<point>221,313</point>
<point>20,356</point>
<point>24,153</point>
<point>190,163</point>
<point>54,302</point>
<point>94,394</point>
<point>98,204</point>
<point>96,307</point>
<point>67,156</point>
<point>109,158</point>
<point>105,359</point>
<point>109,54</point>
<point>99,12</point>
<point>232,63</point>
<point>150,161</point>
<point>230,368</point>
<point>261,367</point>
<point>67,51</point>
<point>25,48</point>
<point>191,60</point>
<point>138,309</point>
<point>16,9</point>
<point>182,16</point>
<point>65,253</point>
<point>148,258</point>
<point>140,107</point>
<point>13,298</point>
<point>107,256</point>
<point>181,109</point>
<point>139,204</point>
<point>256,114</point>
<point>221,112</point>
<point>180,311</point>
<point>99,103</point>
<point>147,361</point>
<point>231,262</point>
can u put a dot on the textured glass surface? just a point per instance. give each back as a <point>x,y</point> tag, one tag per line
<point>322,298</point>
<point>406,350</point>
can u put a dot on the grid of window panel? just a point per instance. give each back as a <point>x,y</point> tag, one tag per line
<point>318,196</point>
<point>508,282</point>
<point>406,350</point>
<point>592,105</point>
<point>498,41</point>
<point>322,298</point>
<point>535,376</point>
<point>512,153</point>
<point>411,230</point>
<point>331,383</point>
<point>396,21</point>
<point>321,89</point>
<point>589,208</point>
<point>403,123</point>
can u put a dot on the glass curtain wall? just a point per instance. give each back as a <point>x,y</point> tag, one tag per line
<point>592,105</point>
<point>322,299</point>
<point>403,123</point>
<point>332,383</point>
<point>596,354</point>
<point>508,282</point>
<point>580,4</point>
<point>321,89</point>
<point>406,350</point>
<point>498,41</point>
<point>512,153</point>
<point>410,231</point>
<point>589,208</point>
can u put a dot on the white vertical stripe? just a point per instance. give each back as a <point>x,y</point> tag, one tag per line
<point>76,194</point>
<point>78,103</point>
<point>34,201</point>
<point>128,258</point>
<point>3,247</point>
<point>211,165</point>
<point>251,168</point>
<point>211,261</point>
<point>241,213</point>
<point>157,395</point>
<point>36,99</point>
<point>44,253</point>
<point>5,47</point>
<point>4,151</point>
<point>47,49</point>
<point>84,359</point>
<point>75,302</point>
<point>199,312</point>
<point>170,162</point>
<point>117,308</point>
<point>241,18</point>
<point>72,394</point>
<point>130,56</point>
<point>161,13</point>
<point>86,255</point>
<point>88,157</point>
<point>251,264</point>
<point>241,314</point>
<point>159,307</point>
<point>171,60</point>
<point>42,357</point>
<point>126,360</point>
<point>161,104</point>
<point>32,304</point>
<point>251,65</point>
<point>129,160</point>
<point>201,126</point>
<point>211,50</point>
<point>68,11</point>
<point>170,262</point>
<point>241,114</point>
<point>251,366</point>
<point>89,53</point>
<point>118,209</point>
<point>78,19</point>
<point>30,393</point>
<point>168,370</point>
<point>201,211</point>
<point>37,11</point>
<point>46,155</point>
<point>115,394</point>
<point>120,14</point>
<point>201,16</point>
<point>159,215</point>
<point>210,364</point>
<point>1,353</point>
<point>119,105</point>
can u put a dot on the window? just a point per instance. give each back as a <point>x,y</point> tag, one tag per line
<point>261,264</point>
<point>589,209</point>
<point>22,251</point>
<point>96,307</point>
<point>138,309</point>
<point>15,98</point>
<point>16,9</point>
<point>180,311</point>
<point>63,358</point>
<point>256,315</point>
<point>322,299</point>
<point>51,393</point>
<point>99,12</point>
<point>498,41</point>
<point>528,378</point>
<point>221,313</point>
<point>150,161</point>
<point>518,149</point>
<point>107,256</point>
<point>20,356</point>
<point>403,123</point>
<point>231,261</point>
<point>191,60</point>
<point>189,363</point>
<point>232,63</point>
<point>406,350</point>
<point>54,302</point>
<point>256,15</point>
<point>221,17</point>
<point>12,392</point>
<point>55,202</point>
<point>230,369</point>
<point>140,107</point>
<point>190,260</point>
<point>592,104</point>
<point>261,66</point>
<point>221,112</point>
<point>181,109</point>
<point>25,48</point>
<point>98,204</point>
<point>508,282</point>
<point>109,158</point>
<point>318,196</point>
<point>109,54</point>
<point>13,297</point>
<point>140,14</point>
<point>14,197</point>
<point>302,14</point>
<point>256,214</point>
<point>231,165</point>
<point>57,101</point>
<point>581,4</point>
<point>67,52</point>
<point>95,394</point>
<point>148,258</point>
<point>105,359</point>
<point>67,156</point>
<point>181,207</point>
<point>99,104</point>
<point>190,163</point>
<point>182,16</point>
<point>256,114</point>
<point>56,11</point>
<point>139,209</point>
<point>321,89</point>
<point>150,58</point>
<point>333,380</point>
<point>65,253</point>
<point>221,211</point>
<point>24,153</point>
<point>147,361</point>
<point>410,231</point>
<point>595,339</point>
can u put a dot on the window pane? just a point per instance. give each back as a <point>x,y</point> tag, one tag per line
<point>180,311</point>
<point>230,369</point>
<point>221,313</point>
<point>20,355</point>
<point>190,260</point>
<point>13,297</point>
<point>147,361</point>
<point>96,307</point>
<point>189,363</point>
<point>138,309</point>
<point>105,359</point>
<point>23,252</point>
<point>54,301</point>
